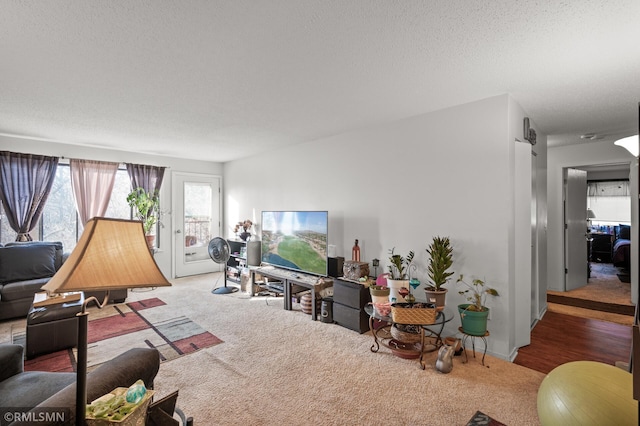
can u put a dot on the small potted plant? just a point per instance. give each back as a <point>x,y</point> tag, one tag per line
<point>398,279</point>
<point>380,298</point>
<point>440,260</point>
<point>474,314</point>
<point>378,293</point>
<point>146,207</point>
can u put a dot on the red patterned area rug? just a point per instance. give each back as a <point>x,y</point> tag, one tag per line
<point>116,328</point>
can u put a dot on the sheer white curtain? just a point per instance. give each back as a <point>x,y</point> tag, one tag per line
<point>92,184</point>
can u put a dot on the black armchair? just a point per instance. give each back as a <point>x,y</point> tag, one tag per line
<point>23,391</point>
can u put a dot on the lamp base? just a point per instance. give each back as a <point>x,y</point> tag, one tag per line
<point>224,290</point>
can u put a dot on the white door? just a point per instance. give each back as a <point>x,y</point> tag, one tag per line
<point>535,290</point>
<point>196,208</point>
<point>575,225</point>
<point>522,227</point>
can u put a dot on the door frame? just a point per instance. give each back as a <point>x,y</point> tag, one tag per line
<point>177,221</point>
<point>634,181</point>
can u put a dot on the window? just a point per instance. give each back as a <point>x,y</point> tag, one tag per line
<point>118,206</point>
<point>6,233</point>
<point>59,220</point>
<point>610,202</point>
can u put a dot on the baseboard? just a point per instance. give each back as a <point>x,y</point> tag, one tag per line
<point>542,313</point>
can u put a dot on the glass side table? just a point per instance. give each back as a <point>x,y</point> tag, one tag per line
<point>382,334</point>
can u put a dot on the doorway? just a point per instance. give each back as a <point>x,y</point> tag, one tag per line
<point>606,289</point>
<point>575,228</point>
<point>196,207</point>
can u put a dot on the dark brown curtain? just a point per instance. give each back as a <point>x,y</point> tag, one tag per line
<point>25,183</point>
<point>147,177</point>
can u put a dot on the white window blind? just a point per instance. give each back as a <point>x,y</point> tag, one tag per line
<point>610,201</point>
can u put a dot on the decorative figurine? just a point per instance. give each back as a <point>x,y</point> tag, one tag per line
<point>444,364</point>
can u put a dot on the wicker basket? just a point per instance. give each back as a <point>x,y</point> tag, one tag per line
<point>413,313</point>
<point>405,334</point>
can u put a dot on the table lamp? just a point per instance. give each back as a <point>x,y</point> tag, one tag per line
<point>111,254</point>
<point>590,215</point>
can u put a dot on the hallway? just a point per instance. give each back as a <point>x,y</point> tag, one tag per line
<point>590,323</point>
<point>605,297</point>
<point>559,338</point>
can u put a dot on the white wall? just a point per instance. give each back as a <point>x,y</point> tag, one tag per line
<point>574,156</point>
<point>398,185</point>
<point>163,257</point>
<point>448,173</point>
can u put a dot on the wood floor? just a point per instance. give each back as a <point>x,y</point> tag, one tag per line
<point>559,338</point>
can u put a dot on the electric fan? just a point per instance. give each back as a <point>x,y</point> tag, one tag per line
<point>220,252</point>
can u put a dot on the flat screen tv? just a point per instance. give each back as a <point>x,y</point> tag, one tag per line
<point>296,240</point>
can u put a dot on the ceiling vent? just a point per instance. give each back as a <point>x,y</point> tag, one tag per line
<point>591,136</point>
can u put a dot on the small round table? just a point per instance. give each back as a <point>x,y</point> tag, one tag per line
<point>473,337</point>
<point>382,335</point>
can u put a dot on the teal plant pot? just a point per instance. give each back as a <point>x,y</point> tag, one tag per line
<point>473,323</point>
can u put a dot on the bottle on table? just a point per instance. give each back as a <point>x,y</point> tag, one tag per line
<point>355,252</point>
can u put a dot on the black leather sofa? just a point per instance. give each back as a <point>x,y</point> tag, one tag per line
<point>25,267</point>
<point>44,392</point>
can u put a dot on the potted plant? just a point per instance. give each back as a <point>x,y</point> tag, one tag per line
<point>146,207</point>
<point>440,260</point>
<point>474,314</point>
<point>398,279</point>
<point>378,293</point>
<point>245,226</point>
<point>380,299</point>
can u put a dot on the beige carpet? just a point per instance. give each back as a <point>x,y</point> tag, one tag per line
<point>603,286</point>
<point>279,367</point>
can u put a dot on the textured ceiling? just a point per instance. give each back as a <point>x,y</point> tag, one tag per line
<point>219,80</point>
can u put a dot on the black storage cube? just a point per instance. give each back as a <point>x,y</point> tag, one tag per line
<point>351,294</point>
<point>352,318</point>
<point>52,336</point>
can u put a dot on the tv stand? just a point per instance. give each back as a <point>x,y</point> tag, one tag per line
<point>294,282</point>
<point>242,254</point>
